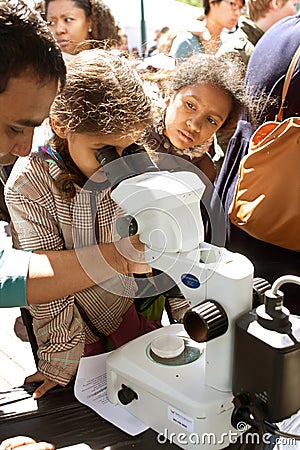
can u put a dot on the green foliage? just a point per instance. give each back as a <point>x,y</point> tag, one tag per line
<point>192,2</point>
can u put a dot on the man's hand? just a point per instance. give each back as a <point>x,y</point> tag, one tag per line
<point>23,441</point>
<point>45,387</point>
<point>134,250</point>
<point>126,256</point>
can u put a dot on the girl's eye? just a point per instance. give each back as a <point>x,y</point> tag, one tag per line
<point>212,121</point>
<point>50,23</point>
<point>190,106</point>
<point>68,19</point>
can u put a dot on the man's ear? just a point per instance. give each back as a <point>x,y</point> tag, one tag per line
<point>275,4</point>
<point>58,128</point>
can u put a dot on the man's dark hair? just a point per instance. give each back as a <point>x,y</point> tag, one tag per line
<point>207,3</point>
<point>26,45</point>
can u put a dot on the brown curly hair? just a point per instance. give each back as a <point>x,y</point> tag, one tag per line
<point>103,94</point>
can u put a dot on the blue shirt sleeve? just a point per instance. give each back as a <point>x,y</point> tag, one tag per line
<point>184,45</point>
<point>13,276</point>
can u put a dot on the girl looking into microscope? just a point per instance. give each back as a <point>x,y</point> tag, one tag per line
<point>54,206</point>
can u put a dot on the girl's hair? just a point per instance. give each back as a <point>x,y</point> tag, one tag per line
<point>104,27</point>
<point>225,72</point>
<point>103,94</point>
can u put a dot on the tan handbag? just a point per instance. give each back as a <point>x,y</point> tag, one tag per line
<point>266,202</point>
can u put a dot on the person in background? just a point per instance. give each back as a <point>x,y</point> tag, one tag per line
<point>157,69</point>
<point>164,42</point>
<point>158,33</point>
<point>264,79</point>
<point>123,45</point>
<point>204,36</point>
<point>102,104</point>
<point>75,21</point>
<point>261,15</point>
<point>134,53</point>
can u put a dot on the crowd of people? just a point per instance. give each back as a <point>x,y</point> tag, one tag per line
<point>67,69</point>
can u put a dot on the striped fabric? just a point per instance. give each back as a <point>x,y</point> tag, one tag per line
<point>41,219</point>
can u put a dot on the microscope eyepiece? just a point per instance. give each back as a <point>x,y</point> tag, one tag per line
<point>107,154</point>
<point>138,159</point>
<point>135,161</point>
<point>115,168</point>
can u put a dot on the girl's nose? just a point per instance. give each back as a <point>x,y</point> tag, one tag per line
<point>194,124</point>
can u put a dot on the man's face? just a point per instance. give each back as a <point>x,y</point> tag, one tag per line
<point>23,105</point>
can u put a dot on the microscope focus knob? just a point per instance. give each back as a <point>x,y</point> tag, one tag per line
<point>126,395</point>
<point>206,321</point>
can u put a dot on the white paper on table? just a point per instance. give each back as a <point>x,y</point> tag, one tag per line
<point>91,390</point>
<point>292,426</point>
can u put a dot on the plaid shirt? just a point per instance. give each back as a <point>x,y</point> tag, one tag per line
<point>41,219</point>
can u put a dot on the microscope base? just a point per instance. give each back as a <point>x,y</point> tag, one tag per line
<point>172,399</point>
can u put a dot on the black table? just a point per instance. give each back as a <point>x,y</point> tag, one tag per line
<point>59,418</point>
<point>62,420</point>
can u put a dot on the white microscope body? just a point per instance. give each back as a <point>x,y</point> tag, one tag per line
<point>186,399</point>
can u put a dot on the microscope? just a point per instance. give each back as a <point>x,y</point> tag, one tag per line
<point>178,379</point>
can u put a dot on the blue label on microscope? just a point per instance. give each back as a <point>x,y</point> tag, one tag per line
<point>190,280</point>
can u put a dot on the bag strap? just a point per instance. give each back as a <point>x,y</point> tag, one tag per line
<point>286,84</point>
<point>88,321</point>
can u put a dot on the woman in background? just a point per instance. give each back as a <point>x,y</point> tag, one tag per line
<point>74,21</point>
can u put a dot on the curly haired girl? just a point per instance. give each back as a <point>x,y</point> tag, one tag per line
<point>54,205</point>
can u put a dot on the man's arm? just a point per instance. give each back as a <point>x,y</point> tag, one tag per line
<point>44,276</point>
<point>56,274</point>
